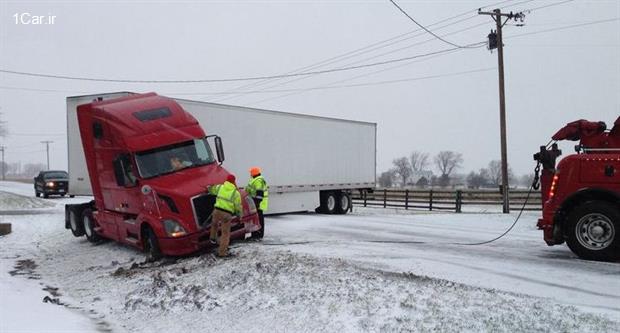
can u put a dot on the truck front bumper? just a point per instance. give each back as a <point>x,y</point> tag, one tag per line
<point>197,241</point>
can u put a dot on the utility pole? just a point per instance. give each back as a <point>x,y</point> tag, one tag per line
<point>496,41</point>
<point>47,149</point>
<point>2,148</point>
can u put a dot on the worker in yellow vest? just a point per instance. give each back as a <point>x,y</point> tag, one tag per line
<point>227,205</point>
<point>258,190</point>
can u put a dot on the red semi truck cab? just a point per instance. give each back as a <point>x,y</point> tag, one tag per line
<point>149,164</point>
<point>581,196</point>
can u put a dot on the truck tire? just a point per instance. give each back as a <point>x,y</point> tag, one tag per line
<point>594,231</point>
<point>343,203</point>
<point>88,223</point>
<point>77,228</point>
<point>329,203</point>
<point>151,246</point>
<point>45,195</point>
<point>37,194</point>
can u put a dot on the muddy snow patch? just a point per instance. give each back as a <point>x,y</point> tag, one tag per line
<point>11,201</point>
<point>291,292</point>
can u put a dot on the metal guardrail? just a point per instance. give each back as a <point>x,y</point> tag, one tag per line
<point>444,200</point>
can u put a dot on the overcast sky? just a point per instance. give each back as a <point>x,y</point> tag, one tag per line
<point>445,102</point>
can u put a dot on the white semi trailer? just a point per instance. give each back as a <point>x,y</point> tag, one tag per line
<point>309,162</point>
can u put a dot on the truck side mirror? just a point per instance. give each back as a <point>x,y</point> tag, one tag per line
<point>219,149</point>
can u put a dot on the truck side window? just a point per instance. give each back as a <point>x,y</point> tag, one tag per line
<point>123,171</point>
<point>97,130</point>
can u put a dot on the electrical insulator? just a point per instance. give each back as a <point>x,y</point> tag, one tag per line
<point>492,44</point>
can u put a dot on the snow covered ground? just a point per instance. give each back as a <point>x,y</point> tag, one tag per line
<point>373,270</point>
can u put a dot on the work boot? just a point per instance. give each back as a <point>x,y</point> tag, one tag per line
<point>228,255</point>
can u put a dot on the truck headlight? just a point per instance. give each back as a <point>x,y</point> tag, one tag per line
<point>49,184</point>
<point>251,205</point>
<point>173,228</point>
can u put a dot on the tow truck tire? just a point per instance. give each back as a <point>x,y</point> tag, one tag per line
<point>151,246</point>
<point>343,203</point>
<point>77,228</point>
<point>594,231</point>
<point>88,223</point>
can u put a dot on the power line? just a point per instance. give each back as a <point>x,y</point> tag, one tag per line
<point>384,54</point>
<point>547,6</point>
<point>456,49</point>
<point>332,70</point>
<point>362,50</point>
<point>565,27</point>
<point>365,84</point>
<point>423,27</point>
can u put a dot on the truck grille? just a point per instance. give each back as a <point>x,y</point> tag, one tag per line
<point>203,207</point>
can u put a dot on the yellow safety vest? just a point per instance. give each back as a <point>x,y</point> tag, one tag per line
<point>227,197</point>
<point>256,184</point>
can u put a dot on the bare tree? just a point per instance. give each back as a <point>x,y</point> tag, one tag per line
<point>478,179</point>
<point>419,161</point>
<point>526,180</point>
<point>32,169</point>
<point>495,173</point>
<point>402,167</point>
<point>386,179</point>
<point>446,162</point>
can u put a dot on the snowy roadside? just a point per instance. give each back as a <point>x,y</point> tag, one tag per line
<point>345,273</point>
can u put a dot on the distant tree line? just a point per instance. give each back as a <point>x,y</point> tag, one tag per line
<point>417,171</point>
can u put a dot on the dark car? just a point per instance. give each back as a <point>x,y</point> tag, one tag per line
<point>51,182</point>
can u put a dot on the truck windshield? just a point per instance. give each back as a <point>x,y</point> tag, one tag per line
<point>56,175</point>
<point>173,158</point>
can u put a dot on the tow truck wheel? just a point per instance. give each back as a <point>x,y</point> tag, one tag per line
<point>89,226</point>
<point>594,231</point>
<point>76,228</point>
<point>151,246</point>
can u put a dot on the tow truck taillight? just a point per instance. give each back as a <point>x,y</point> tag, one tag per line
<point>554,183</point>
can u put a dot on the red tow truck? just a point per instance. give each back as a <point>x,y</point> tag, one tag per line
<point>581,196</point>
<point>141,198</point>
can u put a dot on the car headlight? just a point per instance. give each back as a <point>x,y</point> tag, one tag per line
<point>173,228</point>
<point>251,205</point>
<point>49,184</point>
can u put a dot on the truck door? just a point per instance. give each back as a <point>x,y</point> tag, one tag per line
<point>126,197</point>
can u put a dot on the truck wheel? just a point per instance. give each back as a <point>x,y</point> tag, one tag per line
<point>76,228</point>
<point>37,194</point>
<point>88,223</point>
<point>151,246</point>
<point>593,229</point>
<point>344,203</point>
<point>45,195</point>
<point>329,202</point>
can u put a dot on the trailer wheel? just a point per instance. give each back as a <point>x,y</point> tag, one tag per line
<point>329,202</point>
<point>593,231</point>
<point>88,223</point>
<point>151,246</point>
<point>77,229</point>
<point>344,203</point>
